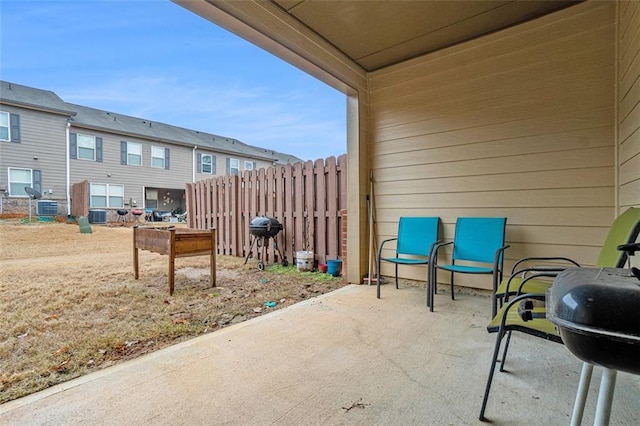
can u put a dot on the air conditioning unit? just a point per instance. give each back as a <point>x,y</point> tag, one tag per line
<point>47,208</point>
<point>97,216</point>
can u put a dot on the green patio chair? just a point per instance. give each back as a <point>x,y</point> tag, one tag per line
<point>516,316</point>
<point>524,316</point>
<point>417,236</point>
<point>478,248</point>
<point>624,229</point>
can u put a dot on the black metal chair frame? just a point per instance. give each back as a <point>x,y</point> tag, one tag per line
<point>506,329</point>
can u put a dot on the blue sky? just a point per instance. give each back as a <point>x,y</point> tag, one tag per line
<point>154,59</point>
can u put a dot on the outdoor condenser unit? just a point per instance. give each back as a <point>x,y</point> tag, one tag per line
<point>97,216</point>
<point>47,208</point>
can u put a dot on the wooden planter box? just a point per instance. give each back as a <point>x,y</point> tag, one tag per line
<point>175,243</point>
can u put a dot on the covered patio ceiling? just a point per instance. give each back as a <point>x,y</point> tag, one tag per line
<point>376,34</point>
<point>371,34</point>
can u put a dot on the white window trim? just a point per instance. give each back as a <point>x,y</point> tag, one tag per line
<point>231,167</point>
<point>8,126</point>
<point>202,164</point>
<point>94,148</point>
<point>30,185</point>
<point>248,165</point>
<point>108,196</point>
<point>129,145</point>
<point>163,157</point>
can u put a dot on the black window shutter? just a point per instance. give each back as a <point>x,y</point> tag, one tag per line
<point>73,145</point>
<point>99,149</point>
<point>123,152</point>
<point>15,127</point>
<point>166,158</point>
<point>37,180</point>
<point>255,165</point>
<point>213,164</point>
<point>228,165</point>
<point>199,163</point>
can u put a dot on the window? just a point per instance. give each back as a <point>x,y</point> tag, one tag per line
<point>159,157</point>
<point>131,153</point>
<point>106,195</point>
<point>5,134</point>
<point>85,147</point>
<point>207,164</point>
<point>151,200</point>
<point>249,165</point>
<point>233,166</point>
<point>21,178</point>
<point>9,127</point>
<point>18,179</point>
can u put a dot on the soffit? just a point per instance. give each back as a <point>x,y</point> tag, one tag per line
<point>376,34</point>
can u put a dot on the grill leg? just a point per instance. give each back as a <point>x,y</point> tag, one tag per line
<point>283,259</point>
<point>605,397</point>
<point>581,395</point>
<point>262,255</point>
<point>249,253</point>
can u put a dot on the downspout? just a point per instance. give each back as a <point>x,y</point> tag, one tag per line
<point>193,179</point>
<point>68,174</point>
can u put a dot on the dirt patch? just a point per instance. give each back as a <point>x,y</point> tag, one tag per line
<point>70,304</point>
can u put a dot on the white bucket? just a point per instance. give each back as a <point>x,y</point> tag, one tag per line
<point>304,260</point>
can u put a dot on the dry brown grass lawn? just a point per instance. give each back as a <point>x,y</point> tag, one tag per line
<point>70,304</point>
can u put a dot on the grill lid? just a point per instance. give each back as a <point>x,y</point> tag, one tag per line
<point>263,226</point>
<point>596,312</point>
<point>590,298</point>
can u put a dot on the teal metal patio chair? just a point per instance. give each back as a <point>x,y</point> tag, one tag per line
<point>478,248</point>
<point>417,236</point>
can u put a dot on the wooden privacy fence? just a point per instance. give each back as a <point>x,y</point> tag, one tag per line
<point>306,198</point>
<point>80,199</point>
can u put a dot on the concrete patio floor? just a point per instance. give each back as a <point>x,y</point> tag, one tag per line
<point>344,358</point>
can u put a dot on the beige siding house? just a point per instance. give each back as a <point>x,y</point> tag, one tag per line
<point>537,120</point>
<point>127,162</point>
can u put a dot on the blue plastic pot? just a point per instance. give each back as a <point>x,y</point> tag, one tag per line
<point>334,267</point>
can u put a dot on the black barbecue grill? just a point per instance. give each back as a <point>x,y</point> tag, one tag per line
<point>596,312</point>
<point>122,215</point>
<point>262,228</point>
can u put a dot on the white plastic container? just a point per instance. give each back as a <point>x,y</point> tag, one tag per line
<point>304,260</point>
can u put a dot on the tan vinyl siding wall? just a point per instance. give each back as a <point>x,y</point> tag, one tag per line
<point>42,135</point>
<point>518,124</point>
<point>221,164</point>
<point>629,103</point>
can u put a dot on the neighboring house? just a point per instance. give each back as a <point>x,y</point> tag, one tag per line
<point>50,145</point>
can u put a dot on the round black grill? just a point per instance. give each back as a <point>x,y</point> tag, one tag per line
<point>263,226</point>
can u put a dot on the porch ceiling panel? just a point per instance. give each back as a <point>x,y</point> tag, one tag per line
<point>376,34</point>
